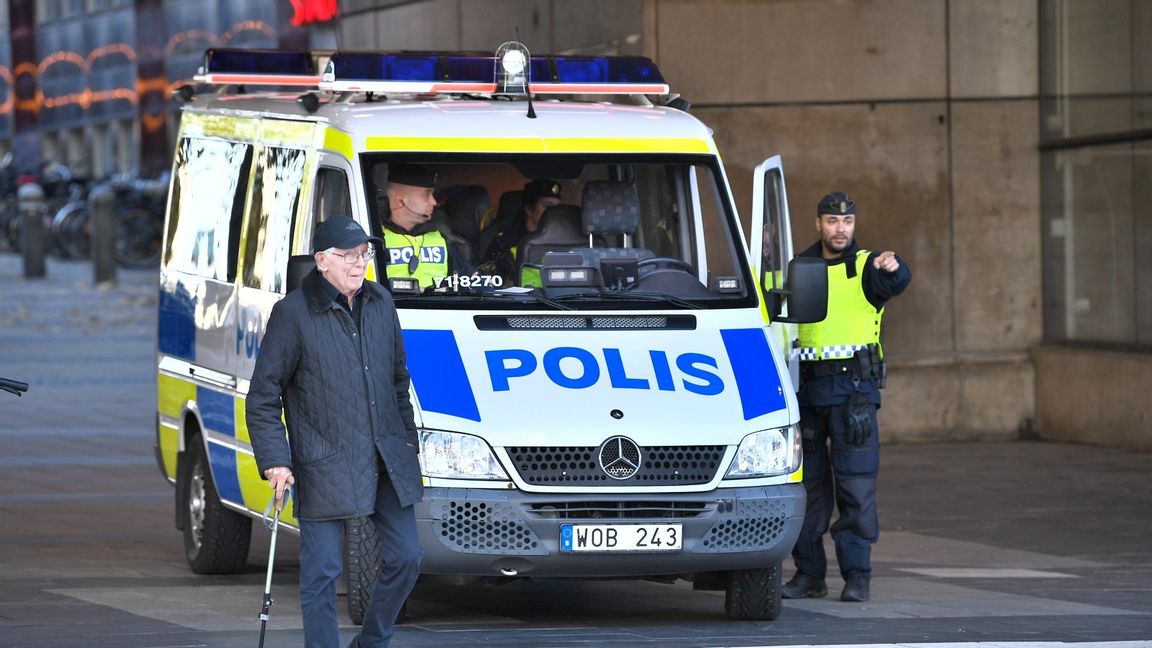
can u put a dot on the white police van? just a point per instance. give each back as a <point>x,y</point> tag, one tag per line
<point>618,407</point>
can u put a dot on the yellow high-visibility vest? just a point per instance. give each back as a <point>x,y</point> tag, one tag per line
<point>430,248</point>
<point>852,322</point>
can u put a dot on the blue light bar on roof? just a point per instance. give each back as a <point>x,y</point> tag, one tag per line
<point>431,72</point>
<point>258,67</point>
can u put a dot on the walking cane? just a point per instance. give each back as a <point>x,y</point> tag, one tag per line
<point>275,506</point>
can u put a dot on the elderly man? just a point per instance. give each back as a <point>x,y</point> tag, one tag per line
<point>332,359</point>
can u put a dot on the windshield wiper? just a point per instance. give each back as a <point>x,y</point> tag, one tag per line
<point>644,296</point>
<point>530,296</point>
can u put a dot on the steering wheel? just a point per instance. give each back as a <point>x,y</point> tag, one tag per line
<point>666,262</point>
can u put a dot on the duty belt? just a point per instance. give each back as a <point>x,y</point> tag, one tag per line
<point>824,368</point>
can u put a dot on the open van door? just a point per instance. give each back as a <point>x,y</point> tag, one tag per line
<point>771,249</point>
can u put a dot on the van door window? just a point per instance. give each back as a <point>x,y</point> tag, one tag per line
<point>275,197</point>
<point>210,180</point>
<point>773,250</point>
<point>331,196</point>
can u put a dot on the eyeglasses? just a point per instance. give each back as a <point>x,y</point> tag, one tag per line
<point>353,257</point>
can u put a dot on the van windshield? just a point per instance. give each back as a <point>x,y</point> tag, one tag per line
<point>556,231</point>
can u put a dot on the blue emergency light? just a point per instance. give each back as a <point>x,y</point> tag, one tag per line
<point>512,71</point>
<point>437,72</point>
<point>258,67</point>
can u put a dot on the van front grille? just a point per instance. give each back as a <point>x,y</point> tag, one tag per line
<point>611,510</point>
<point>580,465</point>
<point>585,322</point>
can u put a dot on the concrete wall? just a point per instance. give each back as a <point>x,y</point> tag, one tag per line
<point>924,110</point>
<point>1094,396</point>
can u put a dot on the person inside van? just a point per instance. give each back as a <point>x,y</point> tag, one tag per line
<point>500,257</point>
<point>414,245</point>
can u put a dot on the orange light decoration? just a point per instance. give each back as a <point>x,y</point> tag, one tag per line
<point>87,97</point>
<point>6,76</point>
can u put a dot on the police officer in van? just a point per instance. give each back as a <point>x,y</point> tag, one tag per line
<point>414,245</point>
<point>841,372</point>
<point>502,255</point>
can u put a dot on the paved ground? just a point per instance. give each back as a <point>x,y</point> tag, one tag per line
<point>995,543</point>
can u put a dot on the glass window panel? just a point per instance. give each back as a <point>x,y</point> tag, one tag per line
<point>331,196</point>
<point>210,180</point>
<point>1095,65</point>
<point>275,196</point>
<point>1093,222</point>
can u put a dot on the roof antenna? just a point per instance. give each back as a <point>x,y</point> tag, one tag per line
<point>527,77</point>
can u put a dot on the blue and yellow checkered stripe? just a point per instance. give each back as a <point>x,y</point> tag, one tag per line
<point>221,415</point>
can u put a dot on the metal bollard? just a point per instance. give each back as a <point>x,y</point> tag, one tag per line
<point>102,203</point>
<point>30,199</point>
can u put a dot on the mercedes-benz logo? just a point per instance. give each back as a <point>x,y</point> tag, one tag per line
<point>619,457</point>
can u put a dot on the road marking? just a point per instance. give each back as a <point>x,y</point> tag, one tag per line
<point>986,644</point>
<point>983,572</point>
<point>915,597</point>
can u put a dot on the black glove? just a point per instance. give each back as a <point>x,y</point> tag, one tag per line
<point>859,414</point>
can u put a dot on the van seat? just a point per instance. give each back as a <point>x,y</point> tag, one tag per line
<point>559,230</point>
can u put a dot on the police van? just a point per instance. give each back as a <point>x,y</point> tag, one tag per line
<point>622,405</point>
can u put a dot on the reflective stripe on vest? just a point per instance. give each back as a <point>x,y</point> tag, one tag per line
<point>431,248</point>
<point>852,322</point>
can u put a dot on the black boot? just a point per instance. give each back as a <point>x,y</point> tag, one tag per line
<point>804,586</point>
<point>855,589</point>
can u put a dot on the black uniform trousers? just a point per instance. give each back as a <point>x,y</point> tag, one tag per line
<point>837,473</point>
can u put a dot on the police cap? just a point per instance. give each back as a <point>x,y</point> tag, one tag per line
<point>340,232</point>
<point>413,175</point>
<point>537,189</point>
<point>838,203</point>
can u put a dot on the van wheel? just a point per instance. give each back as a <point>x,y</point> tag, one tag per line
<point>215,538</point>
<point>753,594</point>
<point>361,565</point>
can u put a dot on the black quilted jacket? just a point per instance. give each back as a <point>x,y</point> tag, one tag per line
<point>345,399</point>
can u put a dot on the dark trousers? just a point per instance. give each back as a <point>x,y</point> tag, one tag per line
<point>838,474</point>
<point>322,562</point>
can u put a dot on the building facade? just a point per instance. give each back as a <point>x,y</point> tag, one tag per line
<point>1000,146</point>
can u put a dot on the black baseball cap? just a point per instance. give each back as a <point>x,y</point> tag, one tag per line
<point>413,175</point>
<point>537,189</point>
<point>342,233</point>
<point>838,203</point>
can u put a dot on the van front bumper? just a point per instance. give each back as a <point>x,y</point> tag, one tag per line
<point>491,532</point>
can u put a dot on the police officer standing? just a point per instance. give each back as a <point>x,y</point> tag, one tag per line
<point>841,372</point>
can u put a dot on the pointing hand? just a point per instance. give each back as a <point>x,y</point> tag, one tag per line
<point>886,261</point>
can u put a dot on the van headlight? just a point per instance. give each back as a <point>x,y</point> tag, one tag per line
<point>457,456</point>
<point>766,453</point>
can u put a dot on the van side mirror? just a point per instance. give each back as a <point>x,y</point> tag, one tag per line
<point>805,296</point>
<point>298,267</point>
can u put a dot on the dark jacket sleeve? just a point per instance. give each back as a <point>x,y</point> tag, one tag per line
<point>275,366</point>
<point>880,286</point>
<point>401,382</point>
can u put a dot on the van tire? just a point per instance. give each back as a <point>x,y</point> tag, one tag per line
<point>753,594</point>
<point>215,538</point>
<point>361,564</point>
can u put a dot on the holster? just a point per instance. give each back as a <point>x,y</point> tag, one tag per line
<point>808,439</point>
<point>859,414</point>
<point>869,364</point>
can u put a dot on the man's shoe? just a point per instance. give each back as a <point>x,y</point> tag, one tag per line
<point>804,586</point>
<point>855,589</point>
